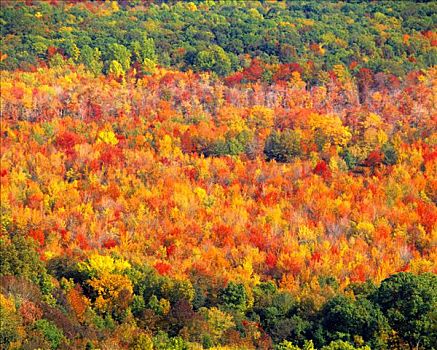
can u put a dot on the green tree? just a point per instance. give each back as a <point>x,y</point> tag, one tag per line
<point>410,302</point>
<point>144,49</point>
<point>283,146</point>
<point>9,322</point>
<point>91,58</point>
<point>213,59</point>
<point>116,69</point>
<point>343,345</point>
<point>233,297</point>
<point>50,332</point>
<point>390,154</point>
<point>120,54</point>
<point>344,318</point>
<point>18,257</point>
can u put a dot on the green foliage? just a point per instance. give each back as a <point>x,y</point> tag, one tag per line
<point>138,305</point>
<point>232,145</point>
<point>214,59</point>
<point>116,69</point>
<point>120,54</point>
<point>91,58</point>
<point>50,332</point>
<point>342,345</point>
<point>287,345</point>
<point>410,303</point>
<point>9,325</point>
<point>163,342</point>
<point>234,297</point>
<point>144,50</point>
<point>283,146</point>
<point>18,257</point>
<point>344,318</point>
<point>220,36</point>
<point>56,60</point>
<point>390,154</point>
<point>218,322</point>
<point>350,160</point>
<point>143,342</point>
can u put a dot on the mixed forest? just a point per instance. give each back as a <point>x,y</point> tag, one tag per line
<point>228,175</point>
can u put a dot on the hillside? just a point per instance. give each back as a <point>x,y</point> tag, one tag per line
<point>218,175</point>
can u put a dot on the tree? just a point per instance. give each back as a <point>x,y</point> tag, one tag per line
<point>120,54</point>
<point>50,332</point>
<point>19,258</point>
<point>343,345</point>
<point>283,146</point>
<point>91,58</point>
<point>390,154</point>
<point>410,302</point>
<point>214,59</point>
<point>116,69</point>
<point>144,50</point>
<point>234,297</point>
<point>218,322</point>
<point>10,324</point>
<point>345,319</point>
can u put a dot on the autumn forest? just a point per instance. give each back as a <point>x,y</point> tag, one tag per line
<point>228,175</point>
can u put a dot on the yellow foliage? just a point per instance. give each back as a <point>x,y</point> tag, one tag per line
<point>260,117</point>
<point>365,228</point>
<point>306,234</point>
<point>108,288</point>
<point>165,146</point>
<point>372,120</point>
<point>98,265</point>
<point>218,321</point>
<point>7,303</point>
<point>107,137</point>
<point>331,126</point>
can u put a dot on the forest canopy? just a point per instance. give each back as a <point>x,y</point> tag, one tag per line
<point>226,175</point>
<point>221,36</point>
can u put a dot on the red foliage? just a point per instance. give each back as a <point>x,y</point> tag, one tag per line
<point>404,268</point>
<point>366,76</point>
<point>316,257</point>
<point>253,72</point>
<point>224,234</point>
<point>110,243</point>
<point>167,79</point>
<point>258,239</point>
<point>429,157</point>
<point>162,268</point>
<point>322,170</point>
<point>77,301</point>
<point>359,274</point>
<point>38,236</point>
<point>285,71</point>
<point>111,155</point>
<point>51,50</point>
<point>234,79</point>
<point>82,241</point>
<point>67,140</point>
<point>30,312</point>
<point>271,260</point>
<point>374,158</point>
<point>171,249</point>
<point>428,215</point>
<point>17,92</point>
<point>353,65</point>
<point>95,111</point>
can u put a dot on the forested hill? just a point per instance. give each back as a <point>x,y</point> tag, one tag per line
<point>220,36</point>
<point>221,175</point>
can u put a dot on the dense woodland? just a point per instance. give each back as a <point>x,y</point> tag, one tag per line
<point>225,175</point>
